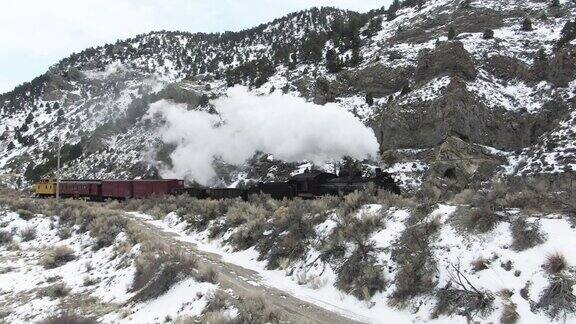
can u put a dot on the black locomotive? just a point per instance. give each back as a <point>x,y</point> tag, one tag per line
<point>308,185</point>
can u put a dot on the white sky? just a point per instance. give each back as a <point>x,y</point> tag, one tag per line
<point>35,34</point>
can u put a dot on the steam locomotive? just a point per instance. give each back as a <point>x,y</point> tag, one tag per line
<point>307,185</point>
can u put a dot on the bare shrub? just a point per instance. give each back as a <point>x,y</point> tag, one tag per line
<point>476,219</point>
<point>525,235</point>
<point>557,300</point>
<point>292,228</point>
<point>509,313</point>
<point>207,274</point>
<point>55,291</point>
<point>216,318</point>
<point>555,263</point>
<point>464,197</point>
<point>105,229</point>
<point>460,296</point>
<point>200,212</point>
<point>157,271</point>
<point>255,310</point>
<point>25,214</point>
<point>6,237</point>
<point>251,222</point>
<point>413,253</point>
<point>354,201</point>
<point>64,232</point>
<point>525,291</point>
<point>216,300</point>
<point>28,233</point>
<point>67,318</point>
<point>89,281</point>
<point>360,275</point>
<point>468,303</point>
<point>388,199</point>
<point>56,257</point>
<point>480,264</point>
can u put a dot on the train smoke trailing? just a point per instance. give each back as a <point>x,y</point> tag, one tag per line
<point>287,127</point>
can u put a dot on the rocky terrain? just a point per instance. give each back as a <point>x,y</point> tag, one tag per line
<point>496,75</point>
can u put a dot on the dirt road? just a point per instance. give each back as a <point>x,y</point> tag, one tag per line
<point>244,282</point>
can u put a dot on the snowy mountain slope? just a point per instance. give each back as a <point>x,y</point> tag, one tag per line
<point>499,91</point>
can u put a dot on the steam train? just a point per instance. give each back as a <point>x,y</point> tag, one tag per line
<point>307,185</point>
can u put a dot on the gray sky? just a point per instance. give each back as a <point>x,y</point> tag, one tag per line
<point>38,33</point>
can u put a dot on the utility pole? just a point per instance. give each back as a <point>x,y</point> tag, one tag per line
<point>58,172</point>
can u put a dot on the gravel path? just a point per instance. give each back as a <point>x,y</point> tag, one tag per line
<point>242,282</point>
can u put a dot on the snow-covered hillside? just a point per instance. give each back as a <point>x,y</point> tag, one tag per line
<point>495,73</point>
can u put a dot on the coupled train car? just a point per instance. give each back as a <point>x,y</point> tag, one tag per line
<point>100,190</point>
<point>308,185</point>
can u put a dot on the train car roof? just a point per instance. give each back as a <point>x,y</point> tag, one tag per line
<point>312,175</point>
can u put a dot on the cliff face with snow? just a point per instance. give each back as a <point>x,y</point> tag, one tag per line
<point>495,75</point>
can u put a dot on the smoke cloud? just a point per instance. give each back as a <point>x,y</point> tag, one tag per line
<point>287,127</point>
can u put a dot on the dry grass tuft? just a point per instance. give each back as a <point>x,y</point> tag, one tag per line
<point>207,274</point>
<point>6,237</point>
<point>67,318</point>
<point>217,300</point>
<point>64,232</point>
<point>509,313</point>
<point>28,233</point>
<point>56,257</point>
<point>480,264</point>
<point>555,263</point>
<point>25,214</point>
<point>158,270</point>
<point>55,291</point>
<point>255,310</point>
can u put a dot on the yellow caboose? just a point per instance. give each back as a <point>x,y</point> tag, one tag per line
<point>45,188</point>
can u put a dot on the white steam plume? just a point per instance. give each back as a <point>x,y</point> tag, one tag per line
<point>288,127</point>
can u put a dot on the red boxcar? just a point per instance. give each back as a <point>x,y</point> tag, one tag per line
<point>116,189</point>
<point>80,188</point>
<point>150,188</point>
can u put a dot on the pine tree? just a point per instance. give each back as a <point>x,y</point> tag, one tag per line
<point>11,146</point>
<point>356,58</point>
<point>369,98</point>
<point>29,118</point>
<point>451,33</point>
<point>333,63</point>
<point>527,24</point>
<point>488,34</point>
<point>391,13</point>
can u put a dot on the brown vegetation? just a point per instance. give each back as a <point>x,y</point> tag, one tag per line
<point>555,263</point>
<point>525,235</point>
<point>56,257</point>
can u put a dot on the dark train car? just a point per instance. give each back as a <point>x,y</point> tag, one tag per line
<point>80,189</point>
<point>226,193</point>
<point>150,188</point>
<point>116,189</point>
<point>199,193</point>
<point>308,184</point>
<point>276,190</point>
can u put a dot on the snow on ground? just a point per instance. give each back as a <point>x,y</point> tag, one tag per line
<point>111,272</point>
<point>316,284</point>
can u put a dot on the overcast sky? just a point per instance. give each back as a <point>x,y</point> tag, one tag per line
<point>35,34</point>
